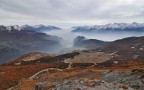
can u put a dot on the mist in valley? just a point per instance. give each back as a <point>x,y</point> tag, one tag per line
<point>68,36</point>
<point>110,36</point>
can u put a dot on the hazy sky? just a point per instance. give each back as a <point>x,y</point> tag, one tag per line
<point>71,11</point>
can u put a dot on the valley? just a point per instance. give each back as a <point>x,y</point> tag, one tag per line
<point>52,60</point>
<point>71,44</point>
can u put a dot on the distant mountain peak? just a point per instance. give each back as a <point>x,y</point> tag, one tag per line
<point>136,27</point>
<point>38,28</point>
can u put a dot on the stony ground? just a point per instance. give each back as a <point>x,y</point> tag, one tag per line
<point>82,79</point>
<point>86,84</point>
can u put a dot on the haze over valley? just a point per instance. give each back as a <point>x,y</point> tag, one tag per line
<point>71,44</point>
<point>55,40</point>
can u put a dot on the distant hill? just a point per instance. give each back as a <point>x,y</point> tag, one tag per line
<point>130,43</point>
<point>82,42</point>
<point>7,53</point>
<point>25,41</point>
<point>126,44</point>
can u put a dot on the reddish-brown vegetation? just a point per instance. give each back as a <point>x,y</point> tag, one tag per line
<point>11,75</point>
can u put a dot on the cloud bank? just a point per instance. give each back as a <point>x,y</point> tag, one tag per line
<point>71,11</point>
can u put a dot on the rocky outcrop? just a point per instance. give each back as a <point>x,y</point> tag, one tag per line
<point>133,78</point>
<point>82,84</point>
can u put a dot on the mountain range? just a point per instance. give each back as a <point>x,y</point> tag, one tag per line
<point>115,27</point>
<point>37,28</point>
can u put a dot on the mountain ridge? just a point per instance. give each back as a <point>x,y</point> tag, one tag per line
<point>111,27</point>
<point>38,28</point>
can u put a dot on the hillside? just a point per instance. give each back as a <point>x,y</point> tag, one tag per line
<point>62,71</point>
<point>106,68</point>
<point>101,68</point>
<point>25,41</point>
<point>7,53</point>
<point>130,43</point>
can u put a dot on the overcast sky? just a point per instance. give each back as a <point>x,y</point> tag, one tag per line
<point>71,11</point>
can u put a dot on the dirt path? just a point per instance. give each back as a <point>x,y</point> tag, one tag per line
<point>45,70</point>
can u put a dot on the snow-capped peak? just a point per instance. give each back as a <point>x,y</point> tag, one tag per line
<point>111,26</point>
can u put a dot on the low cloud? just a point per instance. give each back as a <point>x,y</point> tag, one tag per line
<point>71,11</point>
